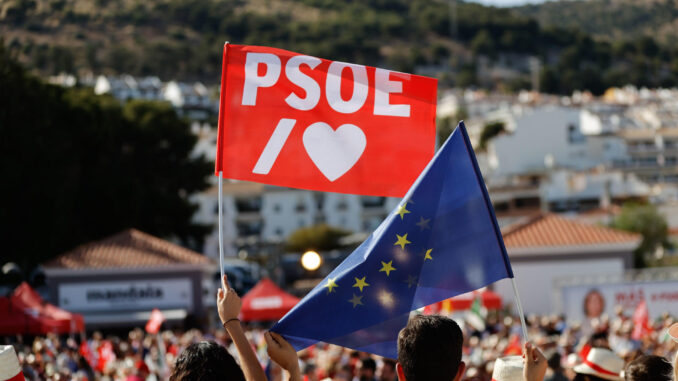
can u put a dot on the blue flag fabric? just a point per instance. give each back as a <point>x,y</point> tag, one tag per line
<point>442,240</point>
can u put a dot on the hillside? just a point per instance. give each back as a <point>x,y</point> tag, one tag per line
<point>611,19</point>
<point>182,39</point>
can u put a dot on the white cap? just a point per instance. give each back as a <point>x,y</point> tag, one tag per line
<point>9,364</point>
<point>602,363</point>
<point>508,368</point>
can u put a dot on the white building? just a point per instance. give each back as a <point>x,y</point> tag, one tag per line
<point>549,247</point>
<point>543,138</point>
<point>582,191</point>
<point>126,87</point>
<point>192,100</point>
<point>257,215</point>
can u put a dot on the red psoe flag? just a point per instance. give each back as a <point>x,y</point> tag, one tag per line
<point>641,321</point>
<point>298,121</point>
<point>155,321</point>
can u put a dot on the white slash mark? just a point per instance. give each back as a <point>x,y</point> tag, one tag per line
<point>274,145</point>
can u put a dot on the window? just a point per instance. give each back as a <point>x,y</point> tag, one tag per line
<point>574,136</point>
<point>501,206</point>
<point>342,205</point>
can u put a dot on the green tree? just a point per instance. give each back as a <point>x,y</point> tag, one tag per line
<point>483,43</point>
<point>77,167</point>
<point>490,130</point>
<point>646,220</point>
<point>318,237</point>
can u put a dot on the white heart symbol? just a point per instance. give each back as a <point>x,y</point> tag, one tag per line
<point>334,152</point>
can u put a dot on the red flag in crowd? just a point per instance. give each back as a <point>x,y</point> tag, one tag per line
<point>299,121</point>
<point>641,321</point>
<point>86,352</point>
<point>106,355</point>
<point>514,347</point>
<point>155,321</point>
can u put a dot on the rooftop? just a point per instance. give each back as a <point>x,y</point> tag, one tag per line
<point>552,230</point>
<point>130,248</point>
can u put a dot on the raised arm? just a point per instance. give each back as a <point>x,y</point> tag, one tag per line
<point>280,351</point>
<point>229,305</point>
<point>535,363</point>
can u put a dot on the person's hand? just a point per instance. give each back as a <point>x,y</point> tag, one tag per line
<point>228,303</point>
<point>282,352</point>
<point>535,363</point>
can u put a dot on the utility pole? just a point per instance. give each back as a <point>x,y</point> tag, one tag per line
<point>452,5</point>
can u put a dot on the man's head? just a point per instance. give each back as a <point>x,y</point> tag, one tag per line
<point>429,349</point>
<point>368,367</point>
<point>206,361</point>
<point>649,368</point>
<point>388,371</point>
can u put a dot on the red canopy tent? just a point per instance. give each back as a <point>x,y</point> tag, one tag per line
<point>490,300</point>
<point>25,312</point>
<point>266,301</point>
<point>13,320</point>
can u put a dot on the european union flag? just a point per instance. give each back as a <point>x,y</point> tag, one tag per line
<point>442,240</point>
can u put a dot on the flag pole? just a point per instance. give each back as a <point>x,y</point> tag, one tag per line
<point>219,165</point>
<point>520,309</point>
<point>221,226</point>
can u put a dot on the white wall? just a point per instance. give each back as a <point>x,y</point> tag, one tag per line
<point>538,133</point>
<point>280,213</point>
<point>535,281</point>
<point>343,210</point>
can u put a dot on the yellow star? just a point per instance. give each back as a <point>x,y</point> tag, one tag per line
<point>402,241</point>
<point>423,223</point>
<point>428,254</point>
<point>402,211</point>
<point>331,285</point>
<point>387,267</point>
<point>386,299</point>
<point>360,283</point>
<point>356,300</point>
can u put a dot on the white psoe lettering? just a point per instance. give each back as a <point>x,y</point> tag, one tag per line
<point>253,80</point>
<point>383,85</point>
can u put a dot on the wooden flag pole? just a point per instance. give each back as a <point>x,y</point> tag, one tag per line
<point>221,228</point>
<point>520,310</point>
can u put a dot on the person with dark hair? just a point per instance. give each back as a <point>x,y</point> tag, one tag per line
<point>649,368</point>
<point>388,371</point>
<point>429,349</point>
<point>557,371</point>
<point>206,361</point>
<point>367,370</point>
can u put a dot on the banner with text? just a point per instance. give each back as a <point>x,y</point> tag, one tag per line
<point>126,295</point>
<point>293,120</point>
<point>582,302</point>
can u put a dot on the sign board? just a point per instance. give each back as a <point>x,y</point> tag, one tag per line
<point>126,295</point>
<point>581,302</point>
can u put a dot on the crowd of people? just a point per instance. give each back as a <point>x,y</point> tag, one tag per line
<point>430,348</point>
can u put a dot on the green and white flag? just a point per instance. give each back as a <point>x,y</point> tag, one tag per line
<point>475,317</point>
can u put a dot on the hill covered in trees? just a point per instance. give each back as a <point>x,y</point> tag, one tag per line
<point>611,19</point>
<point>183,39</point>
